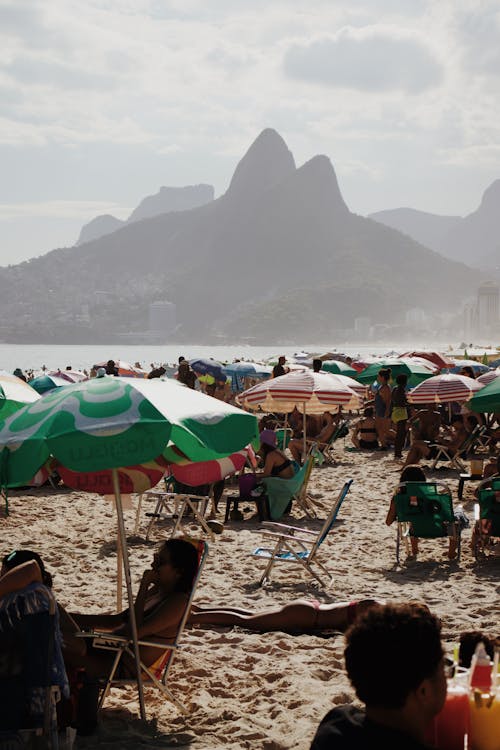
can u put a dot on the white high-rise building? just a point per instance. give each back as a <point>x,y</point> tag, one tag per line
<point>488,307</point>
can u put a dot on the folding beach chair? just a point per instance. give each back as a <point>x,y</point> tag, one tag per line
<point>425,510</point>
<point>32,673</point>
<point>157,673</point>
<point>455,459</point>
<point>293,544</point>
<point>324,452</point>
<point>178,505</point>
<point>487,517</point>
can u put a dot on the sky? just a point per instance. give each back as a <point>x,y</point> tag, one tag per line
<point>104,101</point>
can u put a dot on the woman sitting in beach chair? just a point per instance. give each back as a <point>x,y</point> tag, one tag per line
<point>328,427</point>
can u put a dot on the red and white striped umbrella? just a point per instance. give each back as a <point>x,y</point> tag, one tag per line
<point>310,392</point>
<point>489,377</point>
<point>442,389</point>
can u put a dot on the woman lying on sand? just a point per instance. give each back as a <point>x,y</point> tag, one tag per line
<point>298,617</point>
<point>159,605</point>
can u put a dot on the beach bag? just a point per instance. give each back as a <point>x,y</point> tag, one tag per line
<point>399,413</point>
<point>247,482</point>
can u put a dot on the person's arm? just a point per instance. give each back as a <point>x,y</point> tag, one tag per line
<point>386,395</point>
<point>166,617</point>
<point>268,466</point>
<point>99,622</point>
<point>17,578</point>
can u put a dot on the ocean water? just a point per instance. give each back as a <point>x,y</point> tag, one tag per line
<point>32,357</point>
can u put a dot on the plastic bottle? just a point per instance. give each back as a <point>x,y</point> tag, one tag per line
<point>480,669</point>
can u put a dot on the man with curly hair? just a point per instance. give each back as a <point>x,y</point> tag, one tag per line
<point>394,659</point>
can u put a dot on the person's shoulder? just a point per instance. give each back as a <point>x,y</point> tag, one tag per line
<point>341,726</point>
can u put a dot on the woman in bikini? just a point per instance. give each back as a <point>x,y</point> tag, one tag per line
<point>365,431</point>
<point>297,617</point>
<point>276,464</point>
<point>159,606</point>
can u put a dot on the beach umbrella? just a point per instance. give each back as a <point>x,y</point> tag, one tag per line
<point>339,368</point>
<point>436,358</point>
<point>209,367</point>
<point>487,400</point>
<point>249,370</point>
<point>309,392</point>
<point>104,424</point>
<point>443,389</point>
<point>415,372</point>
<point>44,383</point>
<point>70,376</point>
<point>488,377</point>
<point>125,369</point>
<point>477,367</point>
<point>196,473</point>
<point>14,394</point>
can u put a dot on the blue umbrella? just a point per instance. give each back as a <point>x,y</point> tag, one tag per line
<point>241,370</point>
<point>209,367</point>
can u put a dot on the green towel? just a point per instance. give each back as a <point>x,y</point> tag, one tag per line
<point>281,491</point>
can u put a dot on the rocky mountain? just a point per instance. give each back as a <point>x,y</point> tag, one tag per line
<point>167,199</point>
<point>473,239</point>
<point>279,255</point>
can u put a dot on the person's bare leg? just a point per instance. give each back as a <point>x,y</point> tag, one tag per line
<point>290,618</point>
<point>418,450</point>
<point>295,448</point>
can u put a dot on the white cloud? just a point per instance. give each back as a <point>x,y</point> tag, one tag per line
<point>371,59</point>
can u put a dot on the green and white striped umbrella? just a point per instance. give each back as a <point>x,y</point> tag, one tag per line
<point>108,423</point>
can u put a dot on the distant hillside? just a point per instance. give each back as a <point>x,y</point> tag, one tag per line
<point>278,255</point>
<point>428,229</point>
<point>474,239</point>
<point>165,200</point>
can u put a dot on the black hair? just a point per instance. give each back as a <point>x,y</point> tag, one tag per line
<point>413,473</point>
<point>20,556</point>
<point>184,558</point>
<point>468,642</point>
<point>402,379</point>
<point>390,650</point>
<point>317,364</point>
<point>368,411</point>
<point>385,373</point>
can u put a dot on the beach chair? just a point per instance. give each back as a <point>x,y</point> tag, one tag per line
<point>425,510</point>
<point>455,459</point>
<point>32,673</point>
<point>486,532</point>
<point>296,545</point>
<point>178,504</point>
<point>324,452</point>
<point>280,492</point>
<point>156,674</point>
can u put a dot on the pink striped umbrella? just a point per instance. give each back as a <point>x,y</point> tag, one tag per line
<point>196,473</point>
<point>443,389</point>
<point>489,377</point>
<point>310,392</point>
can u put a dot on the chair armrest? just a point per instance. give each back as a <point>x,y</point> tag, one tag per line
<point>276,525</point>
<point>285,537</point>
<point>120,640</point>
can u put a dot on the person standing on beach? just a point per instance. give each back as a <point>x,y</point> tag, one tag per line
<point>280,368</point>
<point>382,406</point>
<point>399,413</point>
<point>395,662</point>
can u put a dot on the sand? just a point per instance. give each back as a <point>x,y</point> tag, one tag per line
<point>248,690</point>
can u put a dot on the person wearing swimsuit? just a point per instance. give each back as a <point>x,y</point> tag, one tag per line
<point>159,606</point>
<point>365,431</point>
<point>383,406</point>
<point>276,464</point>
<point>301,616</point>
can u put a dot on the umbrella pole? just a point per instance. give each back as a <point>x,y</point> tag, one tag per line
<point>119,569</point>
<point>126,568</point>
<point>304,428</point>
<point>284,432</point>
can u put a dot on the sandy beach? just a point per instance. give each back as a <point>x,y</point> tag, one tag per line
<point>250,690</point>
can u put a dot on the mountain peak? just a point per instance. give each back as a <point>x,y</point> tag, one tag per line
<point>318,177</point>
<point>267,162</point>
<point>491,197</point>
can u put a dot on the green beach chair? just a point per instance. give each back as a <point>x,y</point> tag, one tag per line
<point>487,516</point>
<point>425,510</point>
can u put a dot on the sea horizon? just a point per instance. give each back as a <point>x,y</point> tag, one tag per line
<point>79,357</point>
